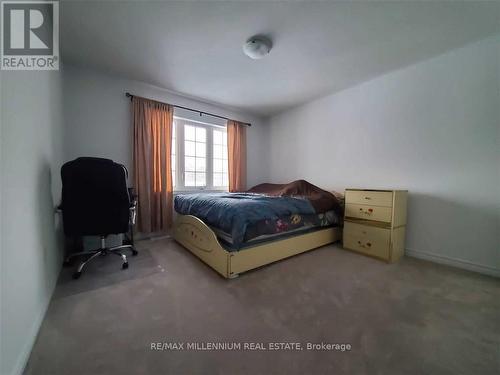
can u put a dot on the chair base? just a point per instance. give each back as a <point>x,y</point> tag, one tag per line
<point>103,250</point>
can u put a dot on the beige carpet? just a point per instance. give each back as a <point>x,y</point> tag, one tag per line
<point>413,317</point>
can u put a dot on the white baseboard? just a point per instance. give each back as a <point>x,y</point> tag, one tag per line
<point>162,237</point>
<point>24,355</point>
<point>454,262</point>
<point>152,236</point>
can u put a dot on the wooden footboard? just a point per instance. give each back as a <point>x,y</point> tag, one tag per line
<point>269,252</point>
<point>198,238</point>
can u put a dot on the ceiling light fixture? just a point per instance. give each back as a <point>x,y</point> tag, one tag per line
<point>257,47</point>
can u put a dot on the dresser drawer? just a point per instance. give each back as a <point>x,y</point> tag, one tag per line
<point>366,231</point>
<point>368,240</point>
<point>372,198</point>
<point>363,211</point>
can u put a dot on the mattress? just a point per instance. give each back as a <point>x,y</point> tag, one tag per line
<point>270,230</point>
<point>268,209</point>
<point>235,212</point>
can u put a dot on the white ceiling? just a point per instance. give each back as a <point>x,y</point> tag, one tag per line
<point>194,47</point>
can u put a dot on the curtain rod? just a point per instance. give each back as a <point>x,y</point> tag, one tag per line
<point>129,95</point>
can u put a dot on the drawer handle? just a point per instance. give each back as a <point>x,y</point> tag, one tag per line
<point>367,198</point>
<point>368,244</point>
<point>367,212</point>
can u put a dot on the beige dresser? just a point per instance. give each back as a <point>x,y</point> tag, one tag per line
<point>375,222</point>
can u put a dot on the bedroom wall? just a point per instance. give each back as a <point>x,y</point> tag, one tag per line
<point>31,147</point>
<point>99,123</point>
<point>431,128</point>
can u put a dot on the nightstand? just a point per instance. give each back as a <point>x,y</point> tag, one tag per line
<point>375,222</point>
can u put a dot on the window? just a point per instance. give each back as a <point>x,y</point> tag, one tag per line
<point>199,156</point>
<point>220,158</point>
<point>195,156</point>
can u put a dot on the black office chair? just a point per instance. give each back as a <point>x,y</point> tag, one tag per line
<point>97,202</point>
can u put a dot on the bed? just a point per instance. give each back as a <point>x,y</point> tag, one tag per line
<point>237,232</point>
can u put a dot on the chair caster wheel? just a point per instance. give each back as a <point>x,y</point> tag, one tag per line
<point>77,275</point>
<point>124,266</point>
<point>134,253</point>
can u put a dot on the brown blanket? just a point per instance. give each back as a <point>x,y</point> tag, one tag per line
<point>321,200</point>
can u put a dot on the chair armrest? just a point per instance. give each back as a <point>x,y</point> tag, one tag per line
<point>133,205</point>
<point>133,197</point>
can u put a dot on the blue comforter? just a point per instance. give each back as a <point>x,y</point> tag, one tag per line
<point>233,212</point>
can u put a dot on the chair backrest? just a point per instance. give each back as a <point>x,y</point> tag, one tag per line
<point>95,198</point>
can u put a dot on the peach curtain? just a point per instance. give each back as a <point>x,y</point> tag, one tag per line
<point>237,155</point>
<point>152,164</point>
